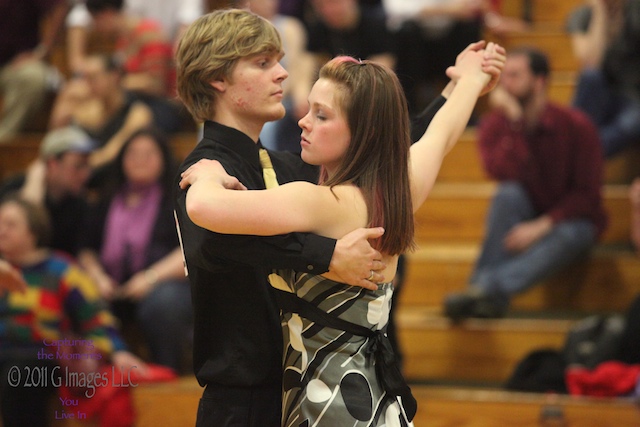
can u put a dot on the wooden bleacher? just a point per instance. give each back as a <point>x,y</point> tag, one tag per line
<point>474,358</point>
<point>457,369</point>
<point>175,404</point>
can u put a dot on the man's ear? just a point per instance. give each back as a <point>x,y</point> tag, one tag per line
<point>219,85</point>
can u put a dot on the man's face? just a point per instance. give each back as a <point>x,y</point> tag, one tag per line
<point>106,21</point>
<point>101,82</point>
<point>253,93</point>
<point>518,79</point>
<point>335,13</point>
<point>68,174</point>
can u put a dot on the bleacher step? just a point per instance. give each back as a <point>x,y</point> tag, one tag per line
<point>471,407</point>
<point>456,212</point>
<point>474,350</point>
<point>437,269</point>
<point>175,403</point>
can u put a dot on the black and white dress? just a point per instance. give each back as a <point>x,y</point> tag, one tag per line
<point>330,373</point>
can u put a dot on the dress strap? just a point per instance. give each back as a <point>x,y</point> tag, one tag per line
<point>379,347</point>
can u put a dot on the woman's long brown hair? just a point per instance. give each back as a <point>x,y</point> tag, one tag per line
<point>377,159</point>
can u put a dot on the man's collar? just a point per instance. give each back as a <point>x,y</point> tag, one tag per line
<point>234,139</point>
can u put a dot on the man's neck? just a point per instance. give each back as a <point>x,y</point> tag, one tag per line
<point>251,128</point>
<point>532,111</point>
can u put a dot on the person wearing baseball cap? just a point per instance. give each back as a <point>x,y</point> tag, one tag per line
<point>58,179</point>
<point>66,139</point>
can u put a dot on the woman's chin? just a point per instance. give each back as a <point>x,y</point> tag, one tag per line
<point>307,158</point>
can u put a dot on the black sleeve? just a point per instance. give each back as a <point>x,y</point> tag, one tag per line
<point>420,122</point>
<point>297,251</point>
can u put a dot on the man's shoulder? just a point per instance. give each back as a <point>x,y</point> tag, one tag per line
<point>208,149</point>
<point>11,184</point>
<point>569,114</point>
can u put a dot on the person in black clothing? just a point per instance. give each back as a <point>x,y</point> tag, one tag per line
<point>229,76</point>
<point>237,337</point>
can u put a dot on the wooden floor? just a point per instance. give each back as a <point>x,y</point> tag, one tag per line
<point>175,404</point>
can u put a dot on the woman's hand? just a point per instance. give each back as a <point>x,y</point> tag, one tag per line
<point>11,279</point>
<point>127,361</point>
<point>494,58</point>
<point>211,171</point>
<point>469,65</point>
<point>138,286</point>
<point>107,287</point>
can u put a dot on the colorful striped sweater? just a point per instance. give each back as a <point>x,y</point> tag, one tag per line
<point>60,311</point>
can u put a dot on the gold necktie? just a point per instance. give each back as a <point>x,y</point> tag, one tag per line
<point>268,172</point>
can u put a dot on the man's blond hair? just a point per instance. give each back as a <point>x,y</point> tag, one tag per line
<point>209,50</point>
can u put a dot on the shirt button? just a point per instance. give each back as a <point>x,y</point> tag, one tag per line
<point>310,267</point>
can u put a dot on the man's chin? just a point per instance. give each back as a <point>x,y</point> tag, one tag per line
<point>276,115</point>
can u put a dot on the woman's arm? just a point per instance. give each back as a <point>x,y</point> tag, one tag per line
<point>167,268</point>
<point>293,207</point>
<point>138,117</point>
<point>300,65</point>
<point>90,262</point>
<point>449,123</point>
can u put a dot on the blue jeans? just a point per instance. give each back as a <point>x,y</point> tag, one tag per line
<point>616,115</point>
<point>166,320</point>
<point>501,274</point>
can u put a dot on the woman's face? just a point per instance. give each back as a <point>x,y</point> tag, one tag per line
<point>16,237</point>
<point>142,162</point>
<point>325,132</point>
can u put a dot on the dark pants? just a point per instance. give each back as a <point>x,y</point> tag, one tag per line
<point>240,407</point>
<point>26,391</point>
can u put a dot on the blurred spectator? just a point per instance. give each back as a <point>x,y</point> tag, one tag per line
<point>57,180</point>
<point>344,27</point>
<point>132,250</point>
<point>99,105</point>
<point>547,210</point>
<point>59,313</point>
<point>430,33</point>
<point>143,50</point>
<point>606,40</point>
<point>172,15</point>
<point>25,75</point>
<point>284,134</point>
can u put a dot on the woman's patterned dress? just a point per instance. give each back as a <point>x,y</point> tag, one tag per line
<point>329,378</point>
